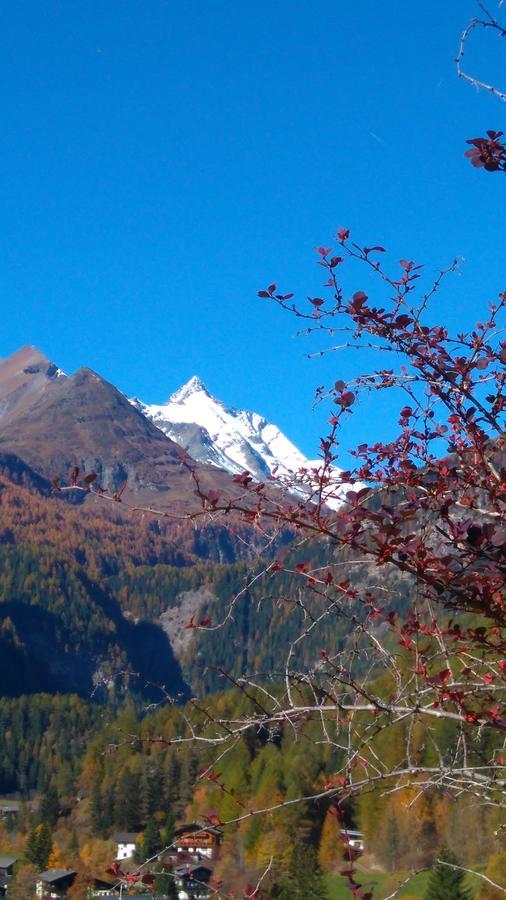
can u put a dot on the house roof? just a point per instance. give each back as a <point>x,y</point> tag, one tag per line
<point>124,837</point>
<point>11,805</point>
<point>201,873</point>
<point>51,875</point>
<point>6,861</point>
<point>197,826</point>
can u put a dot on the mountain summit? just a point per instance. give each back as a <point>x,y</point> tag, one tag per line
<point>194,386</point>
<point>229,438</point>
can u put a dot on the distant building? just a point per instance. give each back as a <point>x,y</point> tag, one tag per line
<point>353,841</point>
<point>6,867</point>
<point>102,889</point>
<point>9,810</point>
<point>113,895</point>
<point>125,841</point>
<point>191,882</point>
<point>197,839</point>
<point>54,883</point>
<point>6,864</point>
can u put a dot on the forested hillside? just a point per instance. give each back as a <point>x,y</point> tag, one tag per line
<point>99,772</point>
<point>87,594</point>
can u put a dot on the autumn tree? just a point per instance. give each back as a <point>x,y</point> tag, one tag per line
<point>495,873</point>
<point>23,885</point>
<point>80,889</point>
<point>331,848</point>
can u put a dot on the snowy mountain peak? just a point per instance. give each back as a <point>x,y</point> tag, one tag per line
<point>194,386</point>
<point>231,439</point>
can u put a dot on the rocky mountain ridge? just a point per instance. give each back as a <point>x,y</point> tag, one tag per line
<point>53,422</point>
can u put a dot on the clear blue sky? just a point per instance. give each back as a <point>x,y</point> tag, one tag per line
<point>162,161</point>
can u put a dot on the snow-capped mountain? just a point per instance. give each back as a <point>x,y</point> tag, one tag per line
<point>232,439</point>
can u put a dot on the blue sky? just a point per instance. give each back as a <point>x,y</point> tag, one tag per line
<point>162,161</point>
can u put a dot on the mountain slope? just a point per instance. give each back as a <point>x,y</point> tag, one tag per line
<point>53,422</point>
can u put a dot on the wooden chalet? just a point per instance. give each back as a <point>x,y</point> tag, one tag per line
<point>197,839</point>
<point>6,870</point>
<point>54,883</point>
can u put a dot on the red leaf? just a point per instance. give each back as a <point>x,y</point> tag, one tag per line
<point>114,869</point>
<point>347,399</point>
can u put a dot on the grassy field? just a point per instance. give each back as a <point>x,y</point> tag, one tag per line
<point>382,885</point>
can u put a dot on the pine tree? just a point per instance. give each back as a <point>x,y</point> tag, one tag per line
<point>166,885</point>
<point>38,847</point>
<point>151,792</point>
<point>305,877</point>
<point>167,832</point>
<point>446,883</point>
<point>30,851</point>
<point>49,808</point>
<point>151,840</point>
<point>107,810</point>
<point>127,801</point>
<point>97,809</point>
